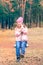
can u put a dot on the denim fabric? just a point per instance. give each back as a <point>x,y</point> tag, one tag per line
<point>23,46</point>
<point>20,47</point>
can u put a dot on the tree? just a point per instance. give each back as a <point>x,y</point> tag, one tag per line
<point>1,15</point>
<point>10,12</point>
<point>36,11</point>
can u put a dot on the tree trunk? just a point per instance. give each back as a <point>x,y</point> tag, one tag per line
<point>38,20</point>
<point>41,17</point>
<point>9,22</point>
<point>2,26</point>
<point>30,16</point>
<point>23,8</point>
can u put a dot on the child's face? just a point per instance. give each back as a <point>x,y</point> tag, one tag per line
<point>18,25</point>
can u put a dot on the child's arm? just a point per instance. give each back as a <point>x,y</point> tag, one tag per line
<point>25,31</point>
<point>17,33</point>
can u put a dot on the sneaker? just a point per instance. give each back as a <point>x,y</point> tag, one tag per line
<point>21,56</point>
<point>18,59</point>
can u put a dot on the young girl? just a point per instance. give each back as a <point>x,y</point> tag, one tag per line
<point>21,38</point>
<point>19,21</point>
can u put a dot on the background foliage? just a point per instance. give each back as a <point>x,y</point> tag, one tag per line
<point>12,9</point>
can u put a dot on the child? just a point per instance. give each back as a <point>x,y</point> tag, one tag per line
<point>18,37</point>
<point>21,38</point>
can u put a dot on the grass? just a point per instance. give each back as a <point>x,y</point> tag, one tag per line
<point>34,53</point>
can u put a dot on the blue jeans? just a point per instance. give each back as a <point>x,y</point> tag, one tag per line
<point>20,47</point>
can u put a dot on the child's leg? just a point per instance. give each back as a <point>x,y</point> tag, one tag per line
<point>18,49</point>
<point>23,47</point>
<point>26,45</point>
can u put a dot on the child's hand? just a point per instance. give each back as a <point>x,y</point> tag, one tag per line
<point>17,35</point>
<point>24,33</point>
<point>21,32</point>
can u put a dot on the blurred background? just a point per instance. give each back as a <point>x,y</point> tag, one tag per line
<point>30,10</point>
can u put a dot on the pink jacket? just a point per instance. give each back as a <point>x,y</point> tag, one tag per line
<point>21,34</point>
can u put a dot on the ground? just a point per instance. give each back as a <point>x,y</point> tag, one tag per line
<point>34,53</point>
